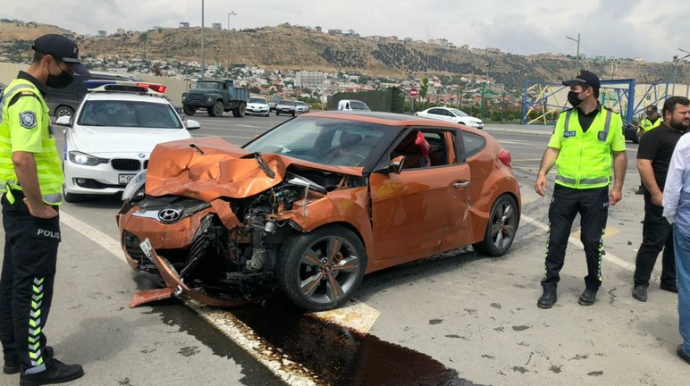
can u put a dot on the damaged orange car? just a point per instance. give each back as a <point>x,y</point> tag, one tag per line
<point>311,206</point>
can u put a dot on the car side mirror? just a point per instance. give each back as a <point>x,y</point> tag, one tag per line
<point>64,120</point>
<point>193,125</point>
<point>395,166</point>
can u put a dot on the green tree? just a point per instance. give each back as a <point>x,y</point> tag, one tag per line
<point>424,88</point>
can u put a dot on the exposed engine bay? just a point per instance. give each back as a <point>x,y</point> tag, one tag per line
<point>237,263</point>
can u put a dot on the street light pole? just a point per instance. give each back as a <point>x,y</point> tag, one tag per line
<point>578,45</point>
<point>227,38</point>
<point>202,39</point>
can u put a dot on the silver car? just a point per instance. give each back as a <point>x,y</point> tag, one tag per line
<point>301,107</point>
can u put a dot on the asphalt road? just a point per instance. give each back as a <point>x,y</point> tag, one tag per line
<point>456,319</point>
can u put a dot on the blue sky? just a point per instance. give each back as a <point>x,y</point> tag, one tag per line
<point>649,29</point>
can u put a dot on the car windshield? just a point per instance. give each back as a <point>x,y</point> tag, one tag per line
<point>327,141</point>
<point>287,103</point>
<point>459,113</point>
<point>129,114</point>
<point>215,85</point>
<point>356,105</point>
<point>257,100</point>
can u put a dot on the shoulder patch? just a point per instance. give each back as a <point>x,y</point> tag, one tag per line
<point>27,119</point>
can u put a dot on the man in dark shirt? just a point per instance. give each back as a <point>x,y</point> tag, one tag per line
<point>653,159</point>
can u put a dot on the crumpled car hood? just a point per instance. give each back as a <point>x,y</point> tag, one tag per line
<point>210,168</point>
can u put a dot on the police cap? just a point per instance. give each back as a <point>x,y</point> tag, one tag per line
<point>62,49</point>
<point>584,77</point>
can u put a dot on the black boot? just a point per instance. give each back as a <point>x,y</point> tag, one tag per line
<point>547,299</point>
<point>56,372</point>
<point>12,365</point>
<point>640,190</point>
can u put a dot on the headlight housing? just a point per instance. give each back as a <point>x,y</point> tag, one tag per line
<point>134,190</point>
<point>83,159</point>
<point>210,98</point>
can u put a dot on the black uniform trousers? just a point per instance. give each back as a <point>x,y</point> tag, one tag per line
<point>592,205</point>
<point>26,284</point>
<point>657,234</point>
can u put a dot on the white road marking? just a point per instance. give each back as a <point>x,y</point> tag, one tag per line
<point>610,257</point>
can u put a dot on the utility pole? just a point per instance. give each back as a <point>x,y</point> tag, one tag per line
<point>202,40</point>
<point>227,38</point>
<point>577,57</point>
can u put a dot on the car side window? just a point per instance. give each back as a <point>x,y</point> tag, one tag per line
<point>473,143</point>
<point>435,111</point>
<point>414,149</point>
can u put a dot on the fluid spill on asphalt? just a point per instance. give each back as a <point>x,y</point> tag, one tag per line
<point>339,356</point>
<point>173,313</point>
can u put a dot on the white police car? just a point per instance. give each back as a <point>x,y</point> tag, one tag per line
<point>110,137</point>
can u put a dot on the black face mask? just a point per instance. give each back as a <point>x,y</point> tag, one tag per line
<point>61,81</point>
<point>573,99</point>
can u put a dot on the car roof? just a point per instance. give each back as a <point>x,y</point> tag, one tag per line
<point>388,119</point>
<point>124,96</point>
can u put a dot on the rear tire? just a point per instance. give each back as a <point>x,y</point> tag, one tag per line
<point>501,228</point>
<point>277,113</point>
<point>216,110</point>
<point>239,111</point>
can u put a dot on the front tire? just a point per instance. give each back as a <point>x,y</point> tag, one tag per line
<point>321,270</point>
<point>189,110</point>
<point>501,229</point>
<point>71,197</point>
<point>63,111</point>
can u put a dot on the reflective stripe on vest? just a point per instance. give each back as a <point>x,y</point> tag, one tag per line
<point>11,91</point>
<point>584,160</point>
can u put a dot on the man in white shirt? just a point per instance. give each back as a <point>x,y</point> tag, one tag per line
<point>676,203</point>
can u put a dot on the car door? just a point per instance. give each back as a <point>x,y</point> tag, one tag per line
<point>424,208</point>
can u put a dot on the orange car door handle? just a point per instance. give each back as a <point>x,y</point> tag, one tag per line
<point>461,184</point>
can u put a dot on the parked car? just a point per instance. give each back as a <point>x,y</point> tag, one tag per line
<point>286,107</point>
<point>257,106</point>
<point>452,115</point>
<point>110,138</point>
<point>64,101</point>
<point>630,133</point>
<point>352,105</point>
<point>301,107</point>
<point>311,206</point>
<point>274,101</point>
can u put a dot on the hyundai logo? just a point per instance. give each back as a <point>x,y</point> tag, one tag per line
<point>169,215</point>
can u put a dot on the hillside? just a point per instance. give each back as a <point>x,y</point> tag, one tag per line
<point>13,30</point>
<point>290,47</point>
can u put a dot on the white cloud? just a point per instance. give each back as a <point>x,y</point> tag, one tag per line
<point>620,28</point>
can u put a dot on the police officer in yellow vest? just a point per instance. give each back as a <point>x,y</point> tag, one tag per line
<point>650,122</point>
<point>586,140</point>
<point>31,181</point>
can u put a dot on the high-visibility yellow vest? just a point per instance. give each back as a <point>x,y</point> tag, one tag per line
<point>25,126</point>
<point>647,125</point>
<point>584,159</point>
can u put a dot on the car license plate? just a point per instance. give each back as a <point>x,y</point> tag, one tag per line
<point>125,178</point>
<point>146,247</point>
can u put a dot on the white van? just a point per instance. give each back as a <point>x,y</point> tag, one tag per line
<point>352,105</point>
